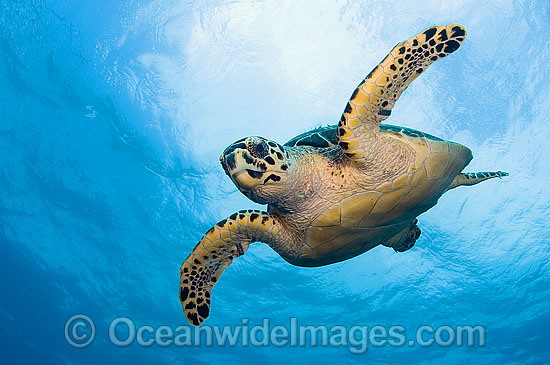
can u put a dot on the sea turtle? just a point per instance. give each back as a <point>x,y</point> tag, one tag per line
<point>338,191</point>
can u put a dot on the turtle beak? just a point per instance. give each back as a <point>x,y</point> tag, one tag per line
<point>229,162</point>
<point>245,180</point>
<point>236,164</point>
<point>223,161</point>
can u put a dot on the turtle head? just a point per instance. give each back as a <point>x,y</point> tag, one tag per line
<point>258,167</point>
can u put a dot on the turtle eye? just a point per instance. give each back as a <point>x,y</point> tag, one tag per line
<point>261,150</point>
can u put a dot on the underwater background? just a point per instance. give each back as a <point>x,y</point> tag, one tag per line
<point>113,115</point>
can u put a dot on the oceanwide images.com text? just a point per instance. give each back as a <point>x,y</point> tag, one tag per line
<point>80,332</point>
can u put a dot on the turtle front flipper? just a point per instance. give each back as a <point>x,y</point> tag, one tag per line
<point>373,99</point>
<point>225,241</point>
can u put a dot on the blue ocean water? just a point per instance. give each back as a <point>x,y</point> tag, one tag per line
<point>112,118</point>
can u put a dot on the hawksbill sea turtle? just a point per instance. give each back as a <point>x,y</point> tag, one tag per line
<point>338,191</point>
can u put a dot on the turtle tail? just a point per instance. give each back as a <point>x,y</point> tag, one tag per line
<point>472,178</point>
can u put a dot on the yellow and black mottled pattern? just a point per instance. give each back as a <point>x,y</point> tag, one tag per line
<point>214,253</point>
<point>373,99</point>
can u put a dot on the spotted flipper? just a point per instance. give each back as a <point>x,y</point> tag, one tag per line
<point>373,99</point>
<point>472,178</point>
<point>225,241</point>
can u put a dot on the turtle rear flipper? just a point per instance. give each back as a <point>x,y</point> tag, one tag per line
<point>406,239</point>
<point>472,178</point>
<point>373,99</point>
<point>225,241</point>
